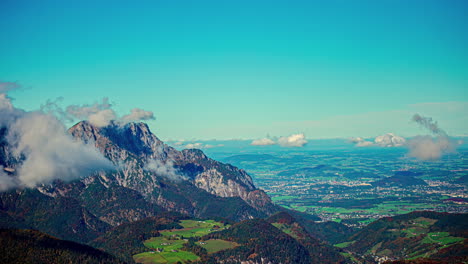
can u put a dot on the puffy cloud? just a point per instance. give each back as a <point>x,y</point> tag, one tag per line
<point>360,142</point>
<point>44,149</point>
<point>263,142</point>
<point>387,140</point>
<point>98,114</point>
<point>137,114</point>
<point>163,169</point>
<point>295,140</point>
<point>390,140</point>
<point>427,147</point>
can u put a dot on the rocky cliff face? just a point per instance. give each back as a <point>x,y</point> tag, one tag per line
<point>146,164</point>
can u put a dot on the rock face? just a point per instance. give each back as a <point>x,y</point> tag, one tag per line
<point>147,164</point>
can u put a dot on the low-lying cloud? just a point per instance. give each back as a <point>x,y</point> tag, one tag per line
<point>164,169</point>
<point>388,140</point>
<point>360,142</point>
<point>428,147</point>
<point>294,140</point>
<point>43,149</point>
<point>199,145</point>
<point>263,142</point>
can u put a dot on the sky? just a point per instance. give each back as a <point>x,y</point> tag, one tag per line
<point>246,69</point>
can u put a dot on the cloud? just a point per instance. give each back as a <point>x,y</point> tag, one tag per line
<point>387,140</point>
<point>295,140</point>
<point>137,114</point>
<point>360,142</point>
<point>427,147</point>
<point>44,149</point>
<point>263,142</point>
<point>199,145</point>
<point>99,114</point>
<point>5,87</point>
<point>390,140</point>
<point>166,170</point>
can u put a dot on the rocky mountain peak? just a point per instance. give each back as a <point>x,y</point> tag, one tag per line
<point>133,147</point>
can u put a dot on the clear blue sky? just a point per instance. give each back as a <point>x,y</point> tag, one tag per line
<point>244,69</point>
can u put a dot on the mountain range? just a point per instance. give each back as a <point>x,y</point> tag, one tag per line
<point>110,215</point>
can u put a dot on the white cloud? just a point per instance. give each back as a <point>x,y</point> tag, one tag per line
<point>47,152</point>
<point>263,142</point>
<point>199,145</point>
<point>163,169</point>
<point>137,114</point>
<point>102,118</point>
<point>390,140</point>
<point>295,140</point>
<point>386,140</point>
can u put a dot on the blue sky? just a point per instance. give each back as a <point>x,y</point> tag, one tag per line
<point>245,69</point>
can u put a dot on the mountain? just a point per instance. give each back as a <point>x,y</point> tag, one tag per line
<point>144,157</point>
<point>411,236</point>
<point>150,178</point>
<point>31,246</point>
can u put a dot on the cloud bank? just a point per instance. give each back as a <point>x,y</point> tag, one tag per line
<point>42,149</point>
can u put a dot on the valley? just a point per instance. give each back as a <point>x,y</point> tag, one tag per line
<point>355,186</point>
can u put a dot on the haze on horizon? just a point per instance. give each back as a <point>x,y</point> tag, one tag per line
<point>212,70</point>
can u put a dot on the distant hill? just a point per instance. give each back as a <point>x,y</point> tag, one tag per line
<point>415,235</point>
<point>31,246</point>
<point>399,180</point>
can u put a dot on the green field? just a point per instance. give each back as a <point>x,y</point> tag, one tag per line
<point>194,228</point>
<point>164,257</point>
<point>215,245</point>
<point>171,241</point>
<point>344,244</point>
<point>442,238</point>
